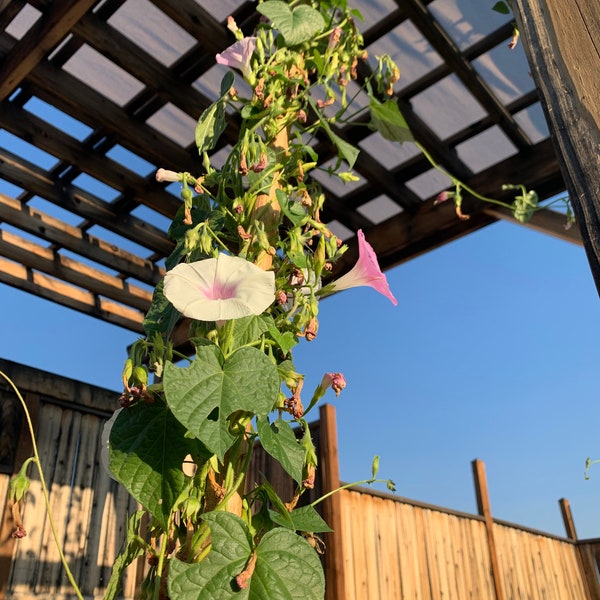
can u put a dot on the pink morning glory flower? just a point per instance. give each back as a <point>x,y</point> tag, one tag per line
<point>219,289</point>
<point>238,55</point>
<point>366,272</point>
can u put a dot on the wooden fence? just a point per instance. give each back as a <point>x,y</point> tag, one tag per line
<point>383,547</point>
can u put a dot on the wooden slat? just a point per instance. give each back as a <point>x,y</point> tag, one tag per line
<point>29,176</point>
<point>44,135</point>
<point>43,286</point>
<point>47,261</point>
<point>38,41</point>
<point>40,224</point>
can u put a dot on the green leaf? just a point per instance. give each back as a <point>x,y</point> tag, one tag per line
<point>502,8</point>
<point>292,209</point>
<point>296,26</point>
<point>279,440</point>
<point>147,448</point>
<point>286,341</point>
<point>214,577</point>
<point>388,120</point>
<point>204,394</point>
<point>287,568</point>
<point>347,151</point>
<point>305,518</point>
<point>248,329</point>
<point>211,123</point>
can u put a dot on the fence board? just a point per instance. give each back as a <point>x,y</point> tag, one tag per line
<point>388,547</point>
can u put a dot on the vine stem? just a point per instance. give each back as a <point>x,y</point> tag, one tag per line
<point>346,486</point>
<point>36,459</point>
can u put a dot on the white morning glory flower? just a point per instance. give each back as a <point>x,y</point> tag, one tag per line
<point>219,289</point>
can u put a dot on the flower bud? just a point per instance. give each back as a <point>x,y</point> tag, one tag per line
<point>166,175</point>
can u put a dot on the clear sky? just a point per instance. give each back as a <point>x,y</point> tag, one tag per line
<point>491,353</point>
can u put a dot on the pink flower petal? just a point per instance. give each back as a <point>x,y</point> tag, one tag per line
<point>366,272</point>
<point>238,55</point>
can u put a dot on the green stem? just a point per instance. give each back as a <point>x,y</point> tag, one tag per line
<point>346,486</point>
<point>36,459</point>
<point>456,181</point>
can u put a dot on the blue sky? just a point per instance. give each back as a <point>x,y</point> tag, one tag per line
<point>491,353</point>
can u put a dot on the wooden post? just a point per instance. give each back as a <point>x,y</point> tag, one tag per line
<point>483,506</point>
<point>330,480</point>
<point>561,41</point>
<point>587,568</point>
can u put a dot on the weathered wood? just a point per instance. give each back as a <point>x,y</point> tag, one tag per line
<point>38,41</point>
<point>51,139</point>
<point>72,238</point>
<point>53,263</point>
<point>68,295</point>
<point>561,41</point>
<point>25,174</point>
<point>484,509</point>
<point>330,478</point>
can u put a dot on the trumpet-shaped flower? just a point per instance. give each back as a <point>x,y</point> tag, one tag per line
<point>219,289</point>
<point>238,55</point>
<point>366,272</point>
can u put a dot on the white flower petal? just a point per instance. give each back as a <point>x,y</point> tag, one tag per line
<point>219,289</point>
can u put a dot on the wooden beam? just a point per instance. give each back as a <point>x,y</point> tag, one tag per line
<point>72,238</point>
<point>48,261</point>
<point>51,27</point>
<point>483,506</point>
<point>38,182</point>
<point>45,136</point>
<point>332,506</point>
<point>41,285</point>
<point>69,94</point>
<point>561,41</point>
<point>545,221</point>
<point>412,233</point>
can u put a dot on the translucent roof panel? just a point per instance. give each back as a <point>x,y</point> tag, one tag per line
<point>220,9</point>
<point>486,149</point>
<point>379,209</point>
<point>447,107</point>
<point>24,20</point>
<point>156,33</point>
<point>467,21</point>
<point>533,122</point>
<point>174,123</point>
<point>429,184</point>
<point>389,154</point>
<point>103,75</point>
<point>506,72</point>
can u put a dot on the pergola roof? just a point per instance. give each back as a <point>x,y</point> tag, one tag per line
<point>96,95</point>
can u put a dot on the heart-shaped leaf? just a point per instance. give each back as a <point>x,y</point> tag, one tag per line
<point>283,561</point>
<point>278,440</point>
<point>296,25</point>
<point>204,394</point>
<point>147,448</point>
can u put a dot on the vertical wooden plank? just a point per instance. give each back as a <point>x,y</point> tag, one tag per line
<point>567,515</point>
<point>561,41</point>
<point>330,477</point>
<point>483,505</point>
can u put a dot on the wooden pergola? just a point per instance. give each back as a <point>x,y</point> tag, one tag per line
<point>95,95</point>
